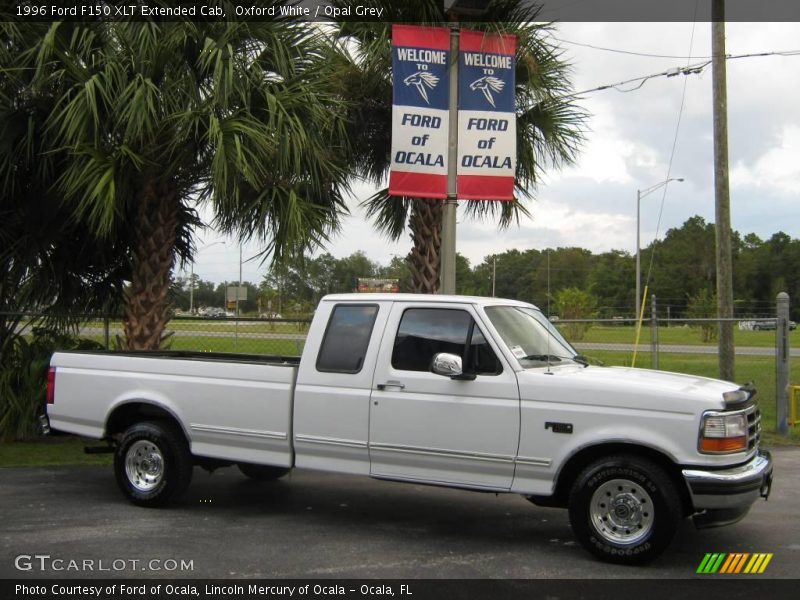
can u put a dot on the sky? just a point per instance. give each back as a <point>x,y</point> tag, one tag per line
<point>628,147</point>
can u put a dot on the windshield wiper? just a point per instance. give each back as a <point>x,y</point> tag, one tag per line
<point>543,357</point>
<point>578,358</point>
<point>581,360</point>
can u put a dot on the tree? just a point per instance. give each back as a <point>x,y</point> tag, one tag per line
<point>146,120</point>
<point>574,303</point>
<point>683,263</point>
<point>703,305</point>
<point>611,280</point>
<point>548,121</point>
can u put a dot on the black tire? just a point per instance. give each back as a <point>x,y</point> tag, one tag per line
<point>624,509</point>
<point>152,463</point>
<point>262,472</point>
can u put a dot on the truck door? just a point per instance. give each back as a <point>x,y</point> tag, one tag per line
<point>428,427</point>
<point>332,395</point>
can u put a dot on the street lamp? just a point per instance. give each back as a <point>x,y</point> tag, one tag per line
<point>639,195</point>
<point>191,277</point>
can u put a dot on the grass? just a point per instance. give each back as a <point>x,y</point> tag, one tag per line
<point>678,334</point>
<point>243,345</point>
<point>51,451</point>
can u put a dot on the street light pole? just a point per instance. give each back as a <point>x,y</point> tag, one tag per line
<point>191,276</point>
<point>639,195</point>
<point>239,290</point>
<point>638,254</point>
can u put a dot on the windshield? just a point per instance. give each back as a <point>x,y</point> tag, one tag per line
<point>530,337</point>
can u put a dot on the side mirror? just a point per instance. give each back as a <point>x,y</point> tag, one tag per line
<point>449,365</point>
<point>446,364</point>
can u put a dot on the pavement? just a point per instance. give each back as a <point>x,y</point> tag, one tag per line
<point>319,525</point>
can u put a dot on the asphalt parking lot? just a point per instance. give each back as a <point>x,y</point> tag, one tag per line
<point>316,525</point>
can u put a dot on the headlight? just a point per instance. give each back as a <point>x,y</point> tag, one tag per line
<point>735,396</point>
<point>722,433</point>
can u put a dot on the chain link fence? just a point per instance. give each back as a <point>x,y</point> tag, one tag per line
<point>684,345</point>
<point>281,337</point>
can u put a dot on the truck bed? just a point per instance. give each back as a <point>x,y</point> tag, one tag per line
<point>228,357</point>
<point>234,407</point>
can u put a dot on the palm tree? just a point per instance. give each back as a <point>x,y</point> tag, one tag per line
<point>150,120</point>
<point>549,123</point>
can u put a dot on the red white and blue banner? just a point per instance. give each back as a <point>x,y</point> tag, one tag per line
<point>420,111</point>
<point>487,125</point>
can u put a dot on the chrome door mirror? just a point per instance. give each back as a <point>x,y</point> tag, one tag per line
<point>447,365</point>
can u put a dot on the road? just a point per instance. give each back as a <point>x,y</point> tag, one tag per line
<point>316,525</point>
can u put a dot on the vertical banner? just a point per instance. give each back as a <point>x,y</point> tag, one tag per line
<point>420,117</point>
<point>487,124</point>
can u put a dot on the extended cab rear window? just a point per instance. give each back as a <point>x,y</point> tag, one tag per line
<point>346,338</point>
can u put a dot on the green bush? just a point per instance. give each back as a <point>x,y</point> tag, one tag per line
<point>23,379</point>
<point>703,305</point>
<point>574,303</point>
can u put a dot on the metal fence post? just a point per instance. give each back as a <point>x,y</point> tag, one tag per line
<point>106,326</point>
<point>653,333</point>
<point>782,362</point>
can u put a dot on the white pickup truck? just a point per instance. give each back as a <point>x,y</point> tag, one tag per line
<point>475,393</point>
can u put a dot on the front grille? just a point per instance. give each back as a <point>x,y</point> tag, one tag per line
<point>753,426</point>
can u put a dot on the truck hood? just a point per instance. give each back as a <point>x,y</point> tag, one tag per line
<point>625,387</point>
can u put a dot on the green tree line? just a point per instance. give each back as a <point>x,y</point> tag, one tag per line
<point>682,276</point>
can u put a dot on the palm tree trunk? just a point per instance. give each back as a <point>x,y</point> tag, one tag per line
<point>155,230</point>
<point>424,262</point>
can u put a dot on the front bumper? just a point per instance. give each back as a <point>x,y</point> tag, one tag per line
<point>723,497</point>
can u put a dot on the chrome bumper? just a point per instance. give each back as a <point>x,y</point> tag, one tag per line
<point>723,497</point>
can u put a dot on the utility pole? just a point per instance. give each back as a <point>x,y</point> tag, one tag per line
<point>447,252</point>
<point>722,192</point>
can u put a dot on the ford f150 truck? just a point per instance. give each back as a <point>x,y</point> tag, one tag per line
<point>475,393</point>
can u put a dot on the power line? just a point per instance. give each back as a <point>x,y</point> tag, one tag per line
<point>652,55</point>
<point>692,69</point>
<point>672,151</point>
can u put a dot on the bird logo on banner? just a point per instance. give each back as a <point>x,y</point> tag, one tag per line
<point>487,85</point>
<point>424,81</point>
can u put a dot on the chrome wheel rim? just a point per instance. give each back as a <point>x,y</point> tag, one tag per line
<point>621,511</point>
<point>144,465</point>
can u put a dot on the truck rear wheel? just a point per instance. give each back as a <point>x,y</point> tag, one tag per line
<point>262,472</point>
<point>152,463</point>
<point>624,509</point>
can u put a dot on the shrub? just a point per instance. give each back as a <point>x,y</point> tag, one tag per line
<point>574,303</point>
<point>703,305</point>
<point>23,379</point>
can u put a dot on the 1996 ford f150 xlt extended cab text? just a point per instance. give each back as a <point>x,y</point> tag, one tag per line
<point>474,393</point>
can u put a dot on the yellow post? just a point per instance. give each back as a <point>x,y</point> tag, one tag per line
<point>639,318</point>
<point>795,395</point>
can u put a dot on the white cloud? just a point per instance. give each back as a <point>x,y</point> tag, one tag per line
<point>777,169</point>
<point>592,204</point>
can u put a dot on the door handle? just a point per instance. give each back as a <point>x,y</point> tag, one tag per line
<point>391,384</point>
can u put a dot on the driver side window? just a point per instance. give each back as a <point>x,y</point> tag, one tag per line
<point>424,332</point>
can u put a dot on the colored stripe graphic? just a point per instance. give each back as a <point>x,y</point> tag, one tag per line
<point>734,563</point>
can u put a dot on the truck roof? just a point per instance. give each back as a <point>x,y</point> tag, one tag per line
<point>432,298</point>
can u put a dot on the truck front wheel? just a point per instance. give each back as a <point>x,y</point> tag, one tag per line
<point>152,463</point>
<point>624,509</point>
